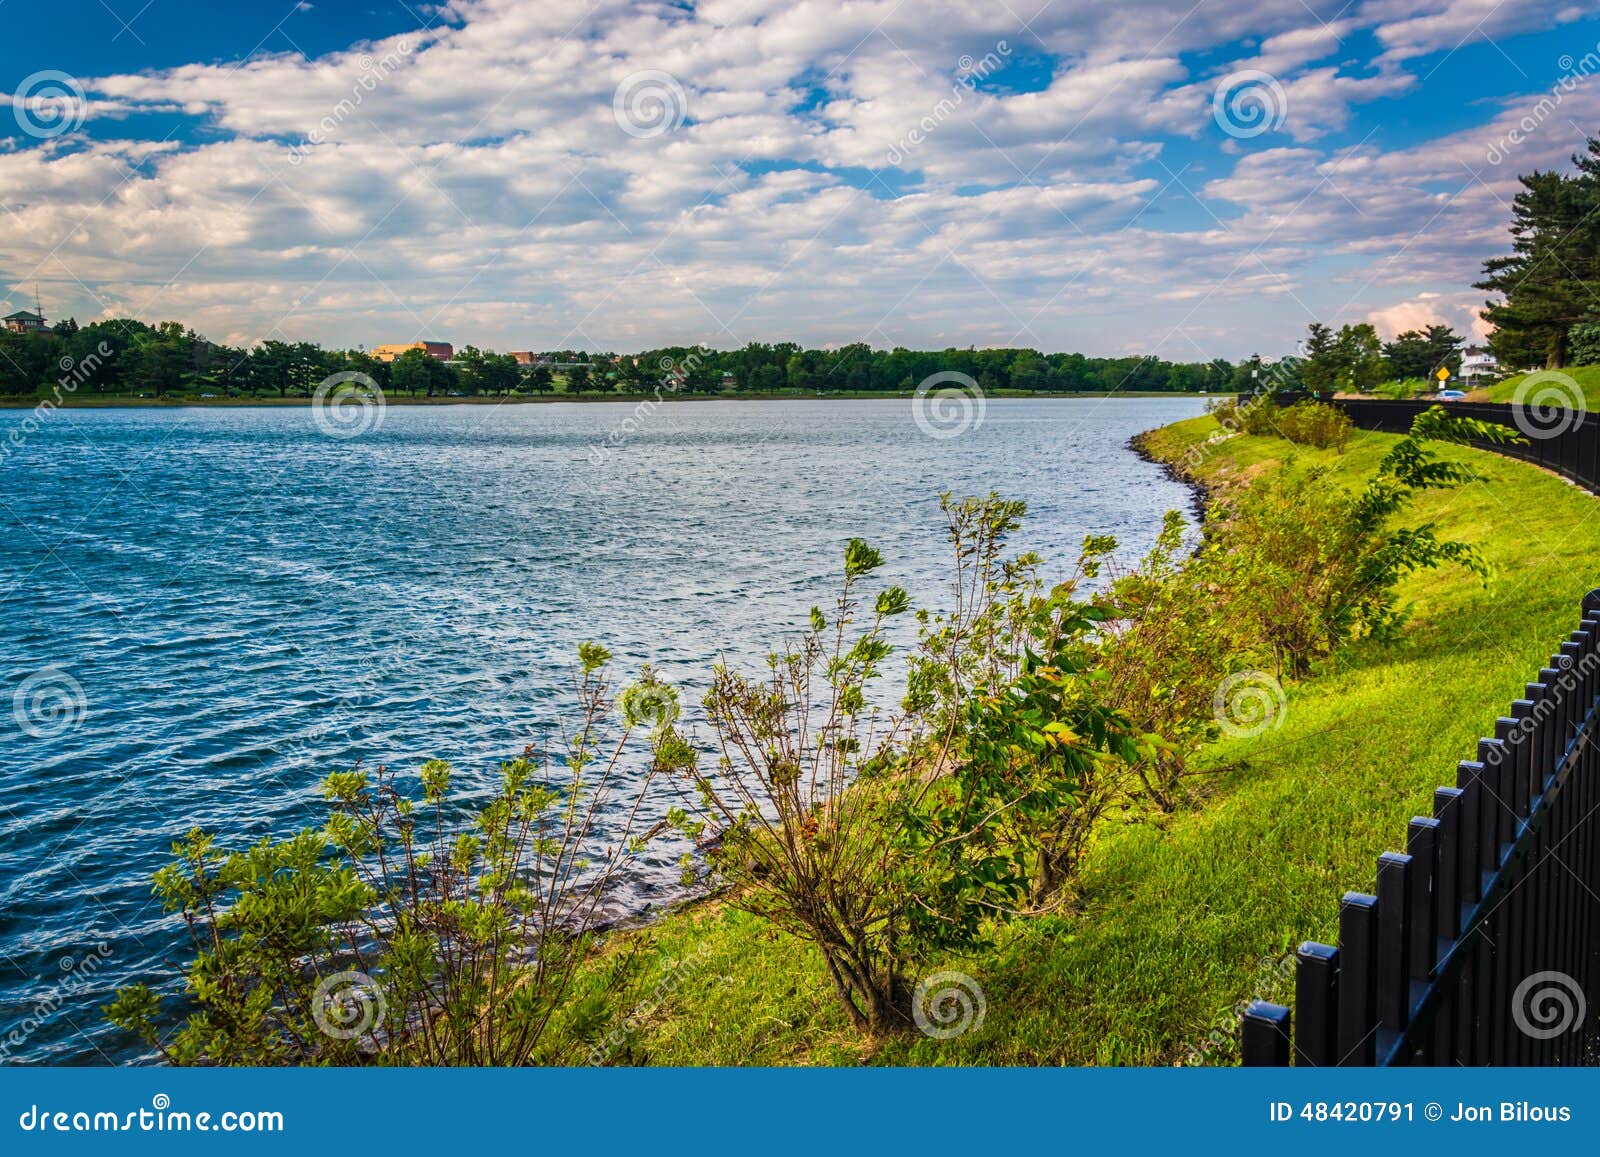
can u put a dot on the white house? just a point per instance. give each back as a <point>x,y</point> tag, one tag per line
<point>1478,362</point>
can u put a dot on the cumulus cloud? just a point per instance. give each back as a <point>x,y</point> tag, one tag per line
<point>825,171</point>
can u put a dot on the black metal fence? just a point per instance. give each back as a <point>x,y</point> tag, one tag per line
<point>1482,943</point>
<point>1562,440</point>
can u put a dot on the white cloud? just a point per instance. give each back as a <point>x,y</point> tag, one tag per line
<point>469,180</point>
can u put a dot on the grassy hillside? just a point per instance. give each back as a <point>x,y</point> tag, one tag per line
<point>1587,377</point>
<point>1184,919</point>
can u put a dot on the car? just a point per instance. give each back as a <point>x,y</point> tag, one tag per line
<point>1451,395</point>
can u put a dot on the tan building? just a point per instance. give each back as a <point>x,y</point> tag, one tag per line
<point>25,321</point>
<point>442,350</point>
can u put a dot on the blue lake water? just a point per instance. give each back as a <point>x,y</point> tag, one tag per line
<point>206,610</point>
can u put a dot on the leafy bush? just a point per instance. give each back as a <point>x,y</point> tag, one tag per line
<point>1261,419</point>
<point>1315,424</point>
<point>884,837</point>
<point>1174,632</point>
<point>1317,565</point>
<point>404,932</point>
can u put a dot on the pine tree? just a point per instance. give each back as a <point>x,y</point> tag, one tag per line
<point>1549,282</point>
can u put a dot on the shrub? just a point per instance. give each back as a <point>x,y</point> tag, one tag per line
<point>1315,424</point>
<point>883,838</point>
<point>1261,419</point>
<point>1317,565</point>
<point>404,931</point>
<point>1175,631</point>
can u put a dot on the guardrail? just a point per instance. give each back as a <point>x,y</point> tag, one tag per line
<point>1481,943</point>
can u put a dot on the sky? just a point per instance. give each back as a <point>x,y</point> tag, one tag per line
<point>1169,177</point>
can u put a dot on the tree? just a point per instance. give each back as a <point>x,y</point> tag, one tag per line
<point>1421,353</point>
<point>539,379</point>
<point>1548,284</point>
<point>411,372</point>
<point>578,378</point>
<point>1320,370</point>
<point>1359,353</point>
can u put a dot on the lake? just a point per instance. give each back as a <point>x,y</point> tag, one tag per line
<point>207,610</point>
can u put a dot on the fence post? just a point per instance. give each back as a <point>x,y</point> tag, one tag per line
<point>1358,947</point>
<point>1394,940</point>
<point>1316,996</point>
<point>1264,1035</point>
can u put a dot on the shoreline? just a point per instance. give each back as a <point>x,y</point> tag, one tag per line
<point>123,402</point>
<point>1200,493</point>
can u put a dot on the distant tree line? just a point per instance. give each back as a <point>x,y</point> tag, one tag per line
<point>170,359</point>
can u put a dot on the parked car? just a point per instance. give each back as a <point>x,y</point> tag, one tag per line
<point>1451,395</point>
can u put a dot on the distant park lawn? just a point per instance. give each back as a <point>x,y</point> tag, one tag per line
<point>1182,920</point>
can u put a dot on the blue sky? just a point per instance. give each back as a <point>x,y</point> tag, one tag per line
<point>1154,176</point>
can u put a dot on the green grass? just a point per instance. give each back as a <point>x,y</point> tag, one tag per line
<point>1587,377</point>
<point>1183,919</point>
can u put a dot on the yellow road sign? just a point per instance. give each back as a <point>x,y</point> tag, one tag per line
<point>1443,375</point>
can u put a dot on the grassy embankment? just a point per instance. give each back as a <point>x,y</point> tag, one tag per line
<point>1177,918</point>
<point>1587,377</point>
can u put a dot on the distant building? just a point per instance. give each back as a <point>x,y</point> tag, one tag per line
<point>1478,362</point>
<point>25,321</point>
<point>442,350</point>
<point>526,357</point>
